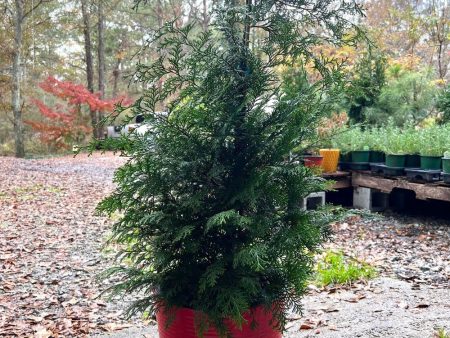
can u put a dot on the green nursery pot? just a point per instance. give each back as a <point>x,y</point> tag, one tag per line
<point>376,157</point>
<point>412,161</point>
<point>395,161</point>
<point>446,165</point>
<point>430,162</point>
<point>360,156</point>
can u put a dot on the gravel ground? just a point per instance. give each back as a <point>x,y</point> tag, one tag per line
<point>392,309</point>
<point>51,252</point>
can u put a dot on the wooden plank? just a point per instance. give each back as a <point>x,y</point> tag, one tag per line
<point>423,190</point>
<point>342,183</point>
<point>342,179</point>
<point>336,174</point>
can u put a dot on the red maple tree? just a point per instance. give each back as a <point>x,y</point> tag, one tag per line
<point>68,122</point>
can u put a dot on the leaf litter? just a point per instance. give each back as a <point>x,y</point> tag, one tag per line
<point>50,247</point>
<point>51,252</point>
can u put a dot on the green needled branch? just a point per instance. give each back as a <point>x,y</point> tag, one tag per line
<point>210,200</point>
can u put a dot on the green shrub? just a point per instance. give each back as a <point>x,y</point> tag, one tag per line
<point>410,135</point>
<point>352,139</point>
<point>394,141</point>
<point>210,200</point>
<point>376,138</point>
<point>433,141</point>
<point>366,84</point>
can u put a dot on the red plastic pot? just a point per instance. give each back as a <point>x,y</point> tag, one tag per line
<point>183,325</point>
<point>312,161</point>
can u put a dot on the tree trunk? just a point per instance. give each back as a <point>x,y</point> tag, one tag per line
<point>88,57</point>
<point>440,68</point>
<point>100,60</point>
<point>159,13</point>
<point>101,50</point>
<point>117,71</point>
<point>116,76</point>
<point>16,74</point>
<point>205,15</point>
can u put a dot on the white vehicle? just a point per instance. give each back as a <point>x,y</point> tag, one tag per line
<point>139,128</point>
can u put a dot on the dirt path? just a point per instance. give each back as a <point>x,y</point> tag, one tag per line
<point>51,252</point>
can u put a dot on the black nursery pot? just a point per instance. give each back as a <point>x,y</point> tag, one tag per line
<point>412,161</point>
<point>344,161</point>
<point>376,157</point>
<point>345,157</point>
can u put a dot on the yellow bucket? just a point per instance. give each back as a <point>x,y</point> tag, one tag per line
<point>330,160</point>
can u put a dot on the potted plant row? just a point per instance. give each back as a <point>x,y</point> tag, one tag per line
<point>402,147</point>
<point>358,148</point>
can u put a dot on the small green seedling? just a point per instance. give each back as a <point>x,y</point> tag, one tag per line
<point>335,268</point>
<point>441,333</point>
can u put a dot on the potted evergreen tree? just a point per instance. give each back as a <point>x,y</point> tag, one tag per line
<point>377,154</point>
<point>213,234</point>
<point>411,146</point>
<point>359,145</point>
<point>394,147</point>
<point>432,145</point>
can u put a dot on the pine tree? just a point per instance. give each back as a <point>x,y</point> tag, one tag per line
<point>210,197</point>
<point>367,83</point>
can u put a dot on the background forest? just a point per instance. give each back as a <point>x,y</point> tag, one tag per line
<point>65,63</point>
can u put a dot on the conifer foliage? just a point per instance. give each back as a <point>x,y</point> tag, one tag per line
<point>210,198</point>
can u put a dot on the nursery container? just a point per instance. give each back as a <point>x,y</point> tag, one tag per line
<point>312,160</point>
<point>330,160</point>
<point>345,157</point>
<point>430,162</point>
<point>344,161</point>
<point>183,325</point>
<point>412,161</point>
<point>395,161</point>
<point>376,157</point>
<point>446,165</point>
<point>361,156</point>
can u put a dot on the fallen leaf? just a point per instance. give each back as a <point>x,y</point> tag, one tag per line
<point>35,319</point>
<point>111,327</point>
<point>422,305</point>
<point>42,332</point>
<point>355,299</point>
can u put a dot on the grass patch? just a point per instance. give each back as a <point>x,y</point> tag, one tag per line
<point>335,268</point>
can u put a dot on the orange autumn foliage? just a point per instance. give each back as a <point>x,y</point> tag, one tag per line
<point>67,122</point>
